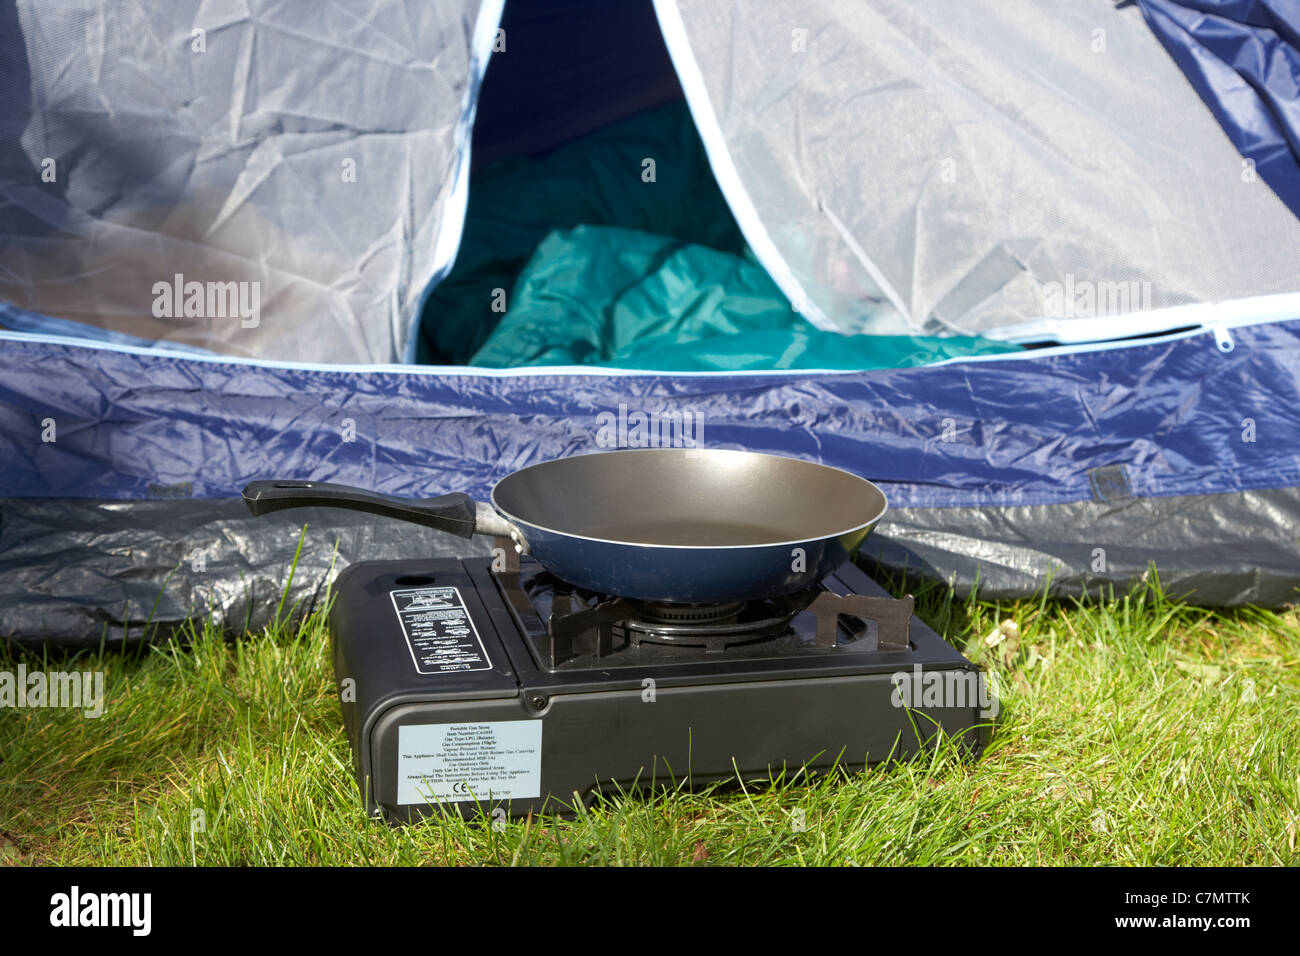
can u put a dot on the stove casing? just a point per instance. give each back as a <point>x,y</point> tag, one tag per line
<point>610,727</point>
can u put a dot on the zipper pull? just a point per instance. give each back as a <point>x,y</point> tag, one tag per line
<point>1223,338</point>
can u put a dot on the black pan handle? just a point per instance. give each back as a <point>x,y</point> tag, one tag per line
<point>452,513</point>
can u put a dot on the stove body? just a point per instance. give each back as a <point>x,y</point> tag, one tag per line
<point>480,689</point>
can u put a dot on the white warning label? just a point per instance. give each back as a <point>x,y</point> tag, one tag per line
<point>455,763</point>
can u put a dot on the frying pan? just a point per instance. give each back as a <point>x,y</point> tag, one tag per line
<point>654,524</point>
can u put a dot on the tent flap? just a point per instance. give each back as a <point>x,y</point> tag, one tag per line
<point>234,177</point>
<point>972,166</point>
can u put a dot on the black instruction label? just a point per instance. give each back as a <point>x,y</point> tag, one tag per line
<point>439,631</point>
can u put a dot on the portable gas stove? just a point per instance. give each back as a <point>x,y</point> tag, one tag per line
<point>476,688</point>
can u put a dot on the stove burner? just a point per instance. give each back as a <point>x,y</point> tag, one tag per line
<point>656,612</point>
<point>713,635</point>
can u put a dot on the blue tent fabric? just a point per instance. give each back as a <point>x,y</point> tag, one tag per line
<point>120,517</point>
<point>1243,58</point>
<point>1179,416</point>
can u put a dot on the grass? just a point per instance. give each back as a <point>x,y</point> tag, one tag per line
<point>1133,731</point>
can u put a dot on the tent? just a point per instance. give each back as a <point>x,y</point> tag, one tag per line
<point>1031,267</point>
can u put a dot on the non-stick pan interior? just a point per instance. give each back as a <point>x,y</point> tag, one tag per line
<point>668,496</point>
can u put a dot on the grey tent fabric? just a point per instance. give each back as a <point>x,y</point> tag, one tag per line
<point>1193,544</point>
<point>319,161</point>
<point>1015,169</point>
<point>1025,171</point>
<point>76,572</point>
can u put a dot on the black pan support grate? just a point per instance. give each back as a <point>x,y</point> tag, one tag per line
<point>581,625</point>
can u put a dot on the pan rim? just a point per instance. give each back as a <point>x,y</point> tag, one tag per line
<point>868,524</point>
